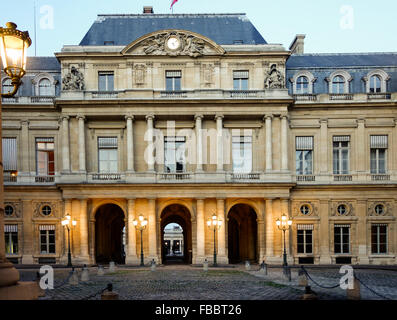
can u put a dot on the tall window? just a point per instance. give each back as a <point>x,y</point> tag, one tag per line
<point>107,154</point>
<point>45,87</point>
<point>47,239</point>
<point>45,165</point>
<point>305,238</point>
<point>375,84</point>
<point>242,154</point>
<point>6,86</point>
<point>341,146</point>
<point>338,84</point>
<point>173,80</point>
<point>174,154</point>
<point>304,155</point>
<point>11,238</point>
<point>379,238</point>
<point>106,81</point>
<point>378,154</point>
<point>302,85</point>
<point>342,238</point>
<point>9,151</point>
<point>240,80</point>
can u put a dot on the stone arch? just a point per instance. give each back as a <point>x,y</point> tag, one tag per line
<point>110,221</point>
<point>242,237</point>
<point>175,212</point>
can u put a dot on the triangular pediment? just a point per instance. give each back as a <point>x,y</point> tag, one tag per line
<point>173,43</point>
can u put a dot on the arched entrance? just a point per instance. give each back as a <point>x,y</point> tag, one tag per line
<point>173,216</point>
<point>109,234</point>
<point>242,234</point>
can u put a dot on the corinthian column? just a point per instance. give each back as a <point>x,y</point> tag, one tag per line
<point>82,166</point>
<point>284,143</point>
<point>269,154</point>
<point>199,141</point>
<point>130,143</point>
<point>219,143</point>
<point>150,148</point>
<point>65,144</point>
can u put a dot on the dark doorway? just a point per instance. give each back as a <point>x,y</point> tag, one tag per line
<point>242,234</point>
<point>109,234</point>
<point>173,250</point>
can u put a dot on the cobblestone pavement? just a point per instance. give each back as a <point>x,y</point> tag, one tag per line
<point>189,283</point>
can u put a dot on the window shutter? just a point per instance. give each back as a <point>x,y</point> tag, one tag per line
<point>173,74</point>
<point>342,225</point>
<point>107,142</point>
<point>379,142</point>
<point>240,74</point>
<point>305,227</point>
<point>379,224</point>
<point>47,227</point>
<point>10,228</point>
<point>9,154</point>
<point>304,143</point>
<point>341,138</point>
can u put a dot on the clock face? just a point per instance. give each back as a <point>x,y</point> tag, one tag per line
<point>173,43</point>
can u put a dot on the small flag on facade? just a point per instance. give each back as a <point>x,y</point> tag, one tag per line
<point>173,2</point>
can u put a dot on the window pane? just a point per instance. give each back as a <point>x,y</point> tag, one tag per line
<point>337,248</point>
<point>309,248</point>
<point>177,84</point>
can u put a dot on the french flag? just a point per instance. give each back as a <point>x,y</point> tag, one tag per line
<point>173,2</point>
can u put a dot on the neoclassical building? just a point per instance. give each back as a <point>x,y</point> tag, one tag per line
<point>181,117</point>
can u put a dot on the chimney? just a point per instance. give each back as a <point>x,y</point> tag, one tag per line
<point>298,45</point>
<point>147,10</point>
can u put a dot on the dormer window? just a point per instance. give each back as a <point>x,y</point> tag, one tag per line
<point>45,87</point>
<point>338,84</point>
<point>376,81</point>
<point>7,86</point>
<point>302,85</point>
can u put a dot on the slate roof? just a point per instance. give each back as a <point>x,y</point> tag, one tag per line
<point>43,63</point>
<point>340,60</point>
<point>224,29</point>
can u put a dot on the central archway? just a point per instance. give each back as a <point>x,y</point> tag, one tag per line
<point>109,234</point>
<point>176,215</point>
<point>242,234</point>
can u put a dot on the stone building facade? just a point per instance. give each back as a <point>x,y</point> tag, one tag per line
<point>180,117</point>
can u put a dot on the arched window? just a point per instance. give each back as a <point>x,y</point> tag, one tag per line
<point>7,87</point>
<point>375,84</point>
<point>338,84</point>
<point>302,85</point>
<point>45,87</point>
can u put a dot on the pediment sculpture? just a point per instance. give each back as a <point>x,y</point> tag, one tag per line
<point>274,79</point>
<point>74,80</point>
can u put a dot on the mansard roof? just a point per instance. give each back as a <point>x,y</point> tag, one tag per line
<point>120,30</point>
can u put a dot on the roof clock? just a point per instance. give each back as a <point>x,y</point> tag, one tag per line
<point>173,43</point>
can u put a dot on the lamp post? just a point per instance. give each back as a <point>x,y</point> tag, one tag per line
<point>13,47</point>
<point>140,225</point>
<point>284,224</point>
<point>215,224</point>
<point>66,223</point>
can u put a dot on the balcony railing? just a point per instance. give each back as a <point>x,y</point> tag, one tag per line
<point>243,94</point>
<point>44,179</point>
<point>27,100</point>
<point>106,176</point>
<point>10,178</point>
<point>343,177</point>
<point>173,94</point>
<point>379,96</point>
<point>380,177</point>
<point>245,176</point>
<point>305,97</point>
<point>341,96</point>
<point>42,99</point>
<point>175,176</point>
<point>104,94</point>
<point>305,178</point>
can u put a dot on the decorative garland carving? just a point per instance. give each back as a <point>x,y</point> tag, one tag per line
<point>349,209</point>
<point>16,206</point>
<point>313,209</point>
<point>387,208</point>
<point>38,206</point>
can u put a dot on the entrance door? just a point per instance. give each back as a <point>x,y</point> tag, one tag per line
<point>242,234</point>
<point>109,234</point>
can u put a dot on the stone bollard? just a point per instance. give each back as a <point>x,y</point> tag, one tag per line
<point>302,279</point>
<point>309,294</point>
<point>109,294</point>
<point>112,266</point>
<point>247,266</point>
<point>264,268</point>
<point>85,275</point>
<point>205,265</point>
<point>101,270</point>
<point>355,293</point>
<point>153,265</point>
<point>74,279</point>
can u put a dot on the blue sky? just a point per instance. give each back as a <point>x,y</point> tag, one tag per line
<point>330,26</point>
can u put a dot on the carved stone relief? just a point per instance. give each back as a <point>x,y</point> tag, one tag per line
<point>274,79</point>
<point>73,81</point>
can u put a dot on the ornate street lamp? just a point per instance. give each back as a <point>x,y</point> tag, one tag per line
<point>66,223</point>
<point>13,46</point>
<point>215,224</point>
<point>140,225</point>
<point>284,224</point>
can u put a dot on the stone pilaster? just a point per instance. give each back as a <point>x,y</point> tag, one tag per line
<point>219,143</point>
<point>323,146</point>
<point>150,149</point>
<point>131,257</point>
<point>220,212</point>
<point>269,153</point>
<point>130,143</point>
<point>152,230</point>
<point>269,229</point>
<point>65,145</point>
<point>200,232</point>
<point>325,257</point>
<point>84,257</point>
<point>199,143</point>
<point>82,156</point>
<point>284,142</point>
